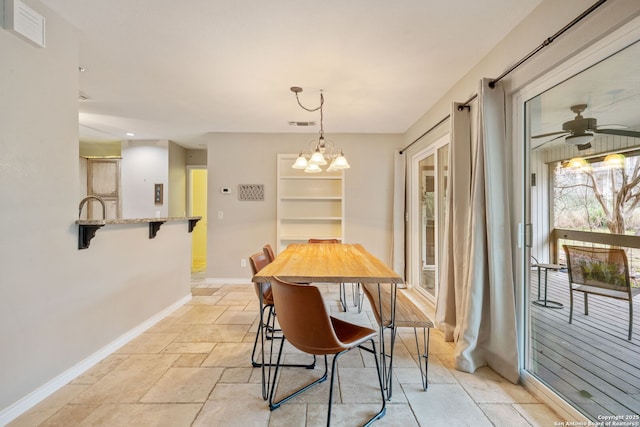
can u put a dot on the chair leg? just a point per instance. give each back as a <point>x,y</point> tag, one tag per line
<point>426,332</point>
<point>258,332</point>
<point>383,409</point>
<point>570,305</point>
<point>630,317</point>
<point>334,367</point>
<point>269,329</point>
<point>586,304</point>
<point>275,405</point>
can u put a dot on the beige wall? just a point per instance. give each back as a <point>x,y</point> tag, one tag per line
<point>60,305</point>
<point>177,194</point>
<point>251,159</point>
<point>196,157</point>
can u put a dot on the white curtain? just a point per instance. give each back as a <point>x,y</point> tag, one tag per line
<point>397,255</point>
<point>456,236</point>
<point>476,304</point>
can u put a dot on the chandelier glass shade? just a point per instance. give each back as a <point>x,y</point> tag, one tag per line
<point>320,152</point>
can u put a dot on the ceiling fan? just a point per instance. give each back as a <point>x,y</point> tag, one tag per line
<point>580,131</point>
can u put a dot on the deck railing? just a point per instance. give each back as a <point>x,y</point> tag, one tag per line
<point>596,239</point>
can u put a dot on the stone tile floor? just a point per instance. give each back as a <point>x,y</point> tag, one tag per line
<point>193,369</point>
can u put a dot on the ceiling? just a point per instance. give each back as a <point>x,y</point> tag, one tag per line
<point>610,89</point>
<point>163,69</point>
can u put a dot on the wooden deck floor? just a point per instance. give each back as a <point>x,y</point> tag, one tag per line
<point>589,362</point>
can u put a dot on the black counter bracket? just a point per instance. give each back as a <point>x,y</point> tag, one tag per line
<point>192,223</point>
<point>87,228</point>
<point>154,226</point>
<point>86,233</point>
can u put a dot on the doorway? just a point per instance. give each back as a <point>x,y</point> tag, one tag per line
<point>585,110</point>
<point>430,168</point>
<point>197,204</point>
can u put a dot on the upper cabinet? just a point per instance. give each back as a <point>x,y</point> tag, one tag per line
<point>309,205</point>
<point>103,180</point>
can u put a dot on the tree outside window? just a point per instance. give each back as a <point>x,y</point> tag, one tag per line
<point>599,196</point>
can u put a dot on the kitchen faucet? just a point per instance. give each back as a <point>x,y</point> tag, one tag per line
<point>83,201</point>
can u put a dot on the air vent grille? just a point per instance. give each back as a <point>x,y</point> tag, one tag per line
<point>250,192</point>
<point>302,123</point>
<point>23,21</point>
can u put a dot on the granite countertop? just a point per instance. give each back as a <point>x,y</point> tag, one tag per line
<point>135,220</point>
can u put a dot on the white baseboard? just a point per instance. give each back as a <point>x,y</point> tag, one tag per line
<point>227,281</point>
<point>565,411</point>
<point>27,402</point>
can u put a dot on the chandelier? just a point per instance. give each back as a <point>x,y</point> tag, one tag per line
<point>320,152</point>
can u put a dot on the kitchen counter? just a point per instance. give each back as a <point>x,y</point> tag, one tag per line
<point>87,227</point>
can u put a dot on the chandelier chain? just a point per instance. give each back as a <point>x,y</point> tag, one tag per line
<point>311,110</point>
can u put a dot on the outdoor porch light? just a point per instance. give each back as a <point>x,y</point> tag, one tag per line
<point>614,160</point>
<point>578,163</point>
<point>320,152</point>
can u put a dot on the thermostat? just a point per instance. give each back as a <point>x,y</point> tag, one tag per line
<point>225,190</point>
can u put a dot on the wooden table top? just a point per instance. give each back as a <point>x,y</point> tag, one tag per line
<point>327,262</point>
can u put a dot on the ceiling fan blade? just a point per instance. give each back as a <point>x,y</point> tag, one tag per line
<point>619,132</point>
<point>551,140</point>
<point>544,135</point>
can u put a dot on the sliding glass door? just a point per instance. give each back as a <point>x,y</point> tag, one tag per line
<point>582,183</point>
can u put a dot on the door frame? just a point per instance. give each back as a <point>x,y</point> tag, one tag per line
<point>414,206</point>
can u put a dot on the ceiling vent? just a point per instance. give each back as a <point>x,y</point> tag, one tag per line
<point>302,123</point>
<point>23,21</point>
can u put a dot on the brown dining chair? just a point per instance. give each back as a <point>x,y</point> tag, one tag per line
<point>307,325</point>
<point>323,241</point>
<point>357,295</point>
<point>267,329</point>
<point>258,261</point>
<point>268,252</point>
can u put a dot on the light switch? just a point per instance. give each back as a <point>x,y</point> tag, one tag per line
<point>220,214</point>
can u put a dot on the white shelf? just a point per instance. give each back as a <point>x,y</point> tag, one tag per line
<point>309,206</point>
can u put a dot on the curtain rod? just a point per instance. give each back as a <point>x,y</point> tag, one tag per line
<point>460,107</point>
<point>493,82</point>
<point>547,42</point>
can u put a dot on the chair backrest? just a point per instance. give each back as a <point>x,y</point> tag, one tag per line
<point>258,261</point>
<point>304,319</point>
<point>268,252</point>
<point>601,267</point>
<point>323,241</point>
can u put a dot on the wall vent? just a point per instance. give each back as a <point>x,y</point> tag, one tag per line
<point>250,192</point>
<point>302,123</point>
<point>23,21</point>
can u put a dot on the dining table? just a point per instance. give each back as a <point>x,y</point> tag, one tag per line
<point>331,263</point>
